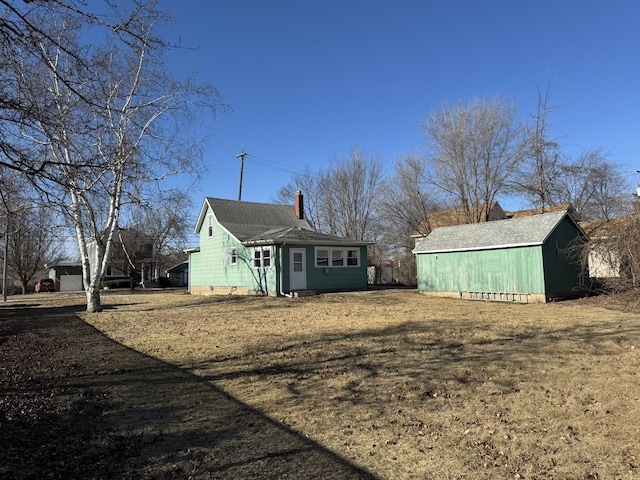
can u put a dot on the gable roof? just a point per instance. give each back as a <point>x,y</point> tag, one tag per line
<point>245,220</point>
<point>516,232</point>
<point>266,224</point>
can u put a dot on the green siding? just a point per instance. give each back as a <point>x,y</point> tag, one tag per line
<point>327,278</point>
<point>551,269</point>
<point>514,270</point>
<point>561,260</point>
<point>336,278</point>
<point>211,266</point>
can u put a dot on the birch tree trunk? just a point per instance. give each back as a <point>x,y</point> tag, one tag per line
<point>96,127</point>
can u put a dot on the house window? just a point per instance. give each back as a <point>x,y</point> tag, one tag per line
<point>210,230</point>
<point>322,257</point>
<point>262,257</point>
<point>233,256</point>
<point>337,257</point>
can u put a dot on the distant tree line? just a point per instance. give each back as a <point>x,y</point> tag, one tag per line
<point>475,153</point>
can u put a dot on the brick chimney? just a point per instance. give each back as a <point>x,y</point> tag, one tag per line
<point>298,205</point>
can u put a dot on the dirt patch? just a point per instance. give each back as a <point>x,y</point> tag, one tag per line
<point>389,382</point>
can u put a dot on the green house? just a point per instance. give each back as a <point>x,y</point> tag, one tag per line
<point>265,249</point>
<point>527,259</point>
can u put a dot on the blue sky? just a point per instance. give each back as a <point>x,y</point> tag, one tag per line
<point>307,80</point>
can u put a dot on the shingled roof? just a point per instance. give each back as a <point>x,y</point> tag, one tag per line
<point>255,223</point>
<point>300,236</point>
<point>245,220</point>
<point>515,232</point>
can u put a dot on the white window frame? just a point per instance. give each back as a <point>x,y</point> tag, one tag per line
<point>336,257</point>
<point>259,259</point>
<point>210,226</point>
<point>233,256</point>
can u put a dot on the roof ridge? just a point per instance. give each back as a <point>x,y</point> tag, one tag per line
<point>250,202</point>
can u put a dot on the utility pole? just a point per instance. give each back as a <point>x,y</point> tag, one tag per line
<point>241,156</point>
<point>4,261</point>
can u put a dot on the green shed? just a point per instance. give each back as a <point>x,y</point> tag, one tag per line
<point>527,259</point>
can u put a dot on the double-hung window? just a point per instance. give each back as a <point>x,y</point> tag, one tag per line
<point>337,257</point>
<point>233,256</point>
<point>210,226</point>
<point>262,257</point>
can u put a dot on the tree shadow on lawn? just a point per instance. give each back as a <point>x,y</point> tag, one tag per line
<point>75,404</point>
<point>434,359</point>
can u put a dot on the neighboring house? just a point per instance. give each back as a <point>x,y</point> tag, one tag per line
<point>259,248</point>
<point>527,259</point>
<point>68,277</point>
<point>131,256</point>
<point>604,260</point>
<point>179,274</point>
<point>537,211</point>
<point>458,216</point>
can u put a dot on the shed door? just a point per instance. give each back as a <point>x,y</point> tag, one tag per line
<point>297,269</point>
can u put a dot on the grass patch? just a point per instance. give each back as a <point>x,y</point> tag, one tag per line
<point>409,386</point>
<point>400,384</point>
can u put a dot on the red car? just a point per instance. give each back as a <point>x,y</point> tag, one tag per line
<point>45,285</point>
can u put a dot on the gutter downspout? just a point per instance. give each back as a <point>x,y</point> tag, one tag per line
<point>288,295</point>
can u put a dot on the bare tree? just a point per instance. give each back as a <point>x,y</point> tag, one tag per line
<point>309,183</point>
<point>33,244</point>
<point>406,202</point>
<point>29,226</point>
<point>109,123</point>
<point>593,185</point>
<point>341,200</point>
<point>351,194</point>
<point>474,151</point>
<point>541,161</point>
<point>154,235</point>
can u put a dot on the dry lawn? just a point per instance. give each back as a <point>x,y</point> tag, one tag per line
<point>408,386</point>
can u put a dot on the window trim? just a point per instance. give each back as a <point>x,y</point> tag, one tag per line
<point>258,262</point>
<point>343,261</point>
<point>233,256</point>
<point>210,226</point>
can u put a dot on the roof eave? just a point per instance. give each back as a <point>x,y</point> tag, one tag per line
<point>203,211</point>
<point>475,249</point>
<point>252,243</point>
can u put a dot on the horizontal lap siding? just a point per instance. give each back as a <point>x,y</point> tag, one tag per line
<point>516,270</point>
<point>211,266</point>
<point>562,260</point>
<point>336,278</point>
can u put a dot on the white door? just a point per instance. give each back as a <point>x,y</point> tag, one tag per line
<point>297,269</point>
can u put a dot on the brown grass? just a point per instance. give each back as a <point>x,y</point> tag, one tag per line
<point>408,386</point>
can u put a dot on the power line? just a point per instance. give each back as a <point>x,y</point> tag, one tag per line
<point>273,165</point>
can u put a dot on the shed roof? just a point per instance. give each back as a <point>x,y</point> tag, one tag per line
<point>515,232</point>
